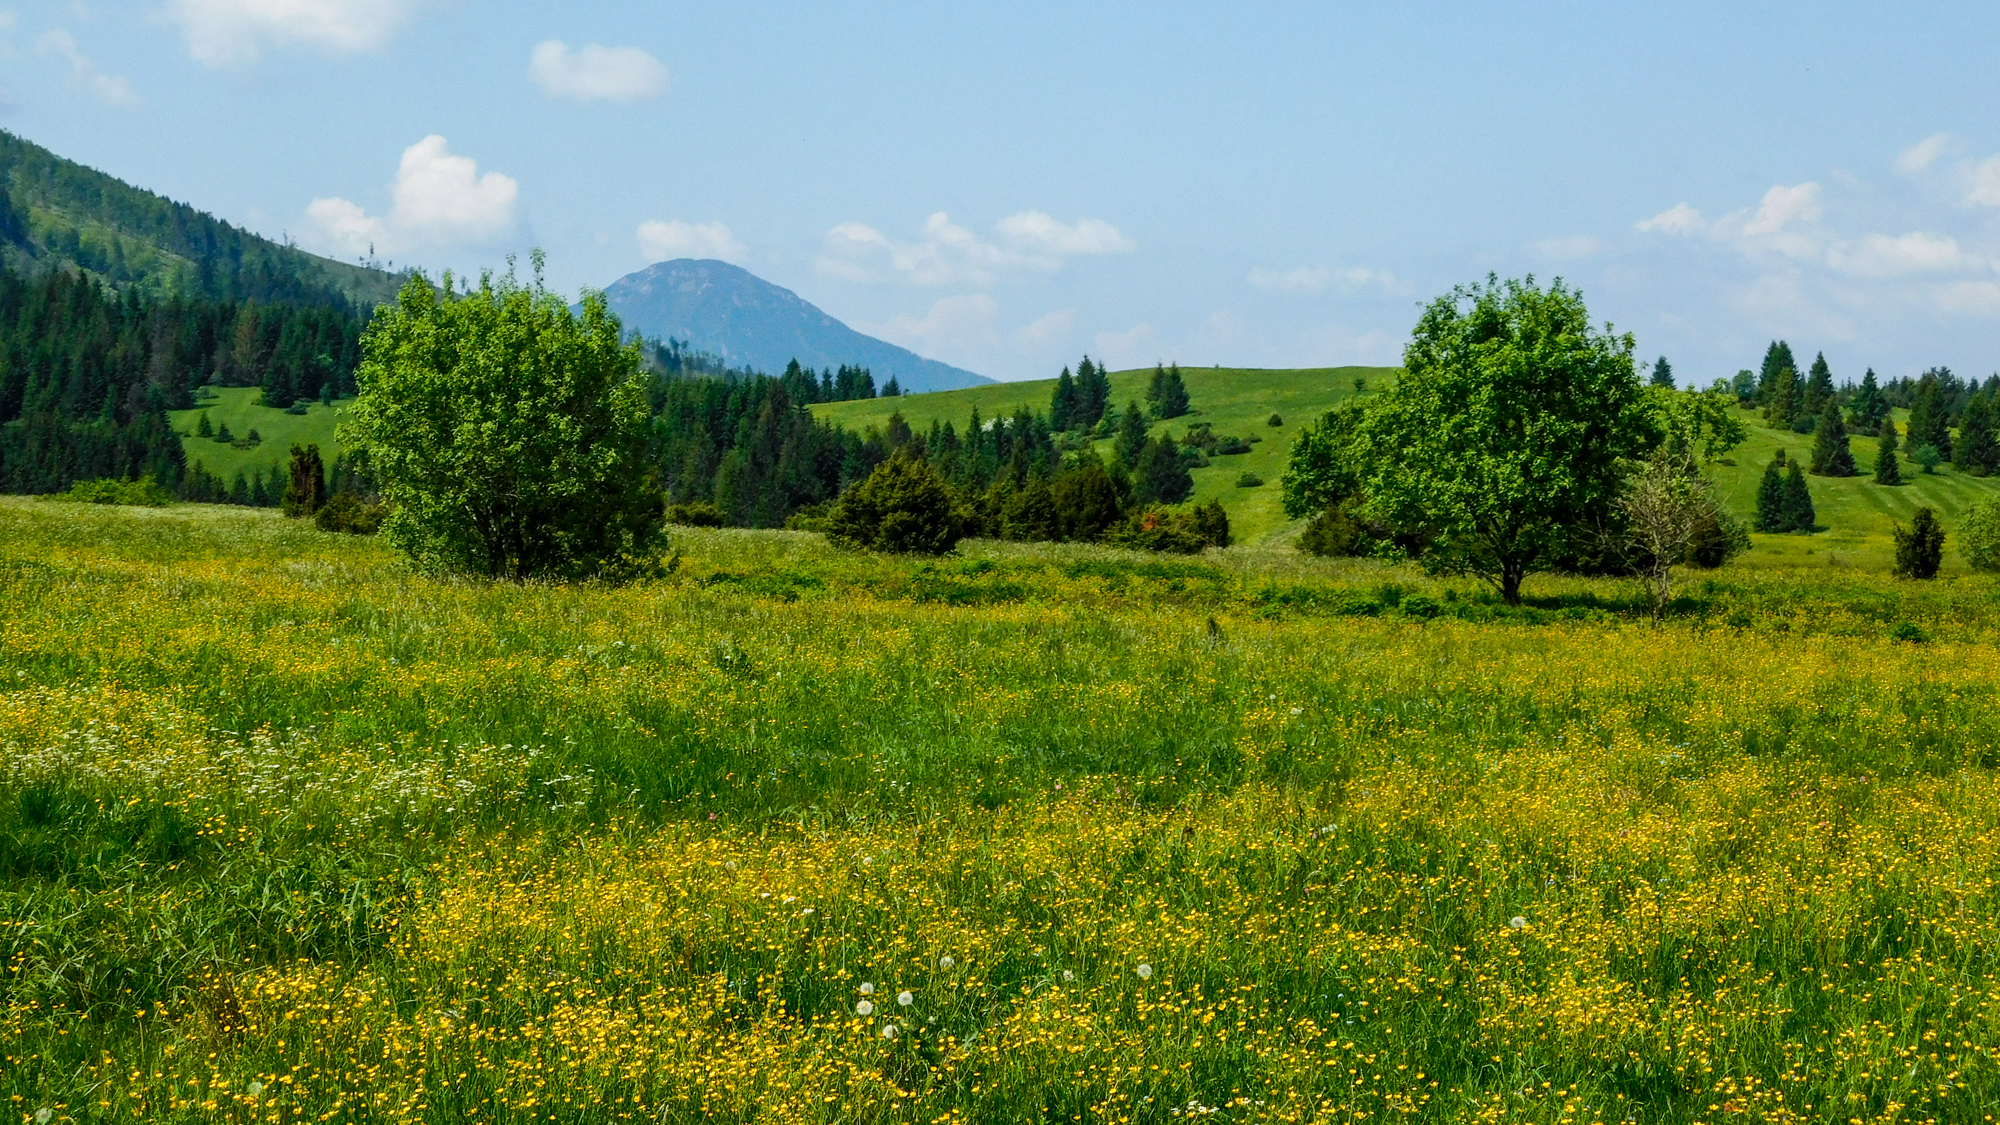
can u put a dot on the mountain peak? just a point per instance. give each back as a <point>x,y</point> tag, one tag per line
<point>731,313</point>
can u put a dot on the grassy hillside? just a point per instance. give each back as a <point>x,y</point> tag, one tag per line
<point>237,406</point>
<point>1855,513</point>
<point>291,832</point>
<point>56,212</point>
<point>1235,400</point>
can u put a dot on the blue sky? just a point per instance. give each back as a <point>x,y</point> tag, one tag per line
<point>1007,187</point>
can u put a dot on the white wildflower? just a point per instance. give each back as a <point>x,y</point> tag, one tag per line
<point>1145,971</point>
<point>905,999</point>
<point>865,1008</point>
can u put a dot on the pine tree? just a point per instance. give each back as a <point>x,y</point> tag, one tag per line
<point>1663,373</point>
<point>1781,406</point>
<point>1062,404</point>
<point>1166,395</point>
<point>1978,452</point>
<point>1093,386</point>
<point>1831,456</point>
<point>1161,477</point>
<point>1887,469</point>
<point>204,428</point>
<point>1132,431</point>
<point>1799,511</point>
<point>1930,420</point>
<point>1868,408</point>
<point>1771,513</point>
<point>1819,386</point>
<point>892,389</point>
<point>1776,357</point>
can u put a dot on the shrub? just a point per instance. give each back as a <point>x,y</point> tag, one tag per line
<point>507,433</point>
<point>305,488</point>
<point>1337,533</point>
<point>1274,420</point>
<point>142,493</point>
<point>1158,529</point>
<point>1908,631</point>
<point>1919,547</point>
<point>1717,539</point>
<point>1248,479</point>
<point>903,507</point>
<point>700,513</point>
<point>346,512</point>
<point>1928,456</point>
<point>1979,536</point>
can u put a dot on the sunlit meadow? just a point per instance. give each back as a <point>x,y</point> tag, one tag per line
<point>292,834</point>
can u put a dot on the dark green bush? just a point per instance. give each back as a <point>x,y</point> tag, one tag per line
<point>903,507</point>
<point>700,513</point>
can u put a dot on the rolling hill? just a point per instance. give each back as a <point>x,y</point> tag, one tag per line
<point>733,314</point>
<point>58,213</point>
<point>240,410</point>
<point>1856,514</point>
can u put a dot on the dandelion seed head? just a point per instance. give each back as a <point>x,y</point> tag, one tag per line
<point>888,1031</point>
<point>946,962</point>
<point>1518,922</point>
<point>1067,975</point>
<point>256,1089</point>
<point>42,1115</point>
<point>867,988</point>
<point>905,999</point>
<point>1145,971</point>
<point>865,1008</point>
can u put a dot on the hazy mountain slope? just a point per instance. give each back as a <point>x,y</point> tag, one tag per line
<point>56,212</point>
<point>748,322</point>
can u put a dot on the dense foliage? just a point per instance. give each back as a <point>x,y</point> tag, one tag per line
<point>507,434</point>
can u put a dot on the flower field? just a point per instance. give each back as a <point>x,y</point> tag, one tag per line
<point>290,834</point>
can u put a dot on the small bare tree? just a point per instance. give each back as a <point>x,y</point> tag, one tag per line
<point>1666,501</point>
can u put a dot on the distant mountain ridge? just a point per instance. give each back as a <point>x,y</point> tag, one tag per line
<point>55,213</point>
<point>731,313</point>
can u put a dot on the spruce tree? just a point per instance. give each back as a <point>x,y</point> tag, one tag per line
<point>1132,431</point>
<point>1161,477</point>
<point>1831,456</point>
<point>1174,402</point>
<point>1093,392</point>
<point>1776,357</point>
<point>1819,386</point>
<point>1978,452</point>
<point>305,491</point>
<point>1798,501</point>
<point>1868,408</point>
<point>1663,373</point>
<point>1930,417</point>
<point>1887,468</point>
<point>1920,547</point>
<point>1781,397</point>
<point>1062,404</point>
<point>1771,512</point>
<point>204,428</point>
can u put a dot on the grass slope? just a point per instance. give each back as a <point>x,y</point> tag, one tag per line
<point>239,407</point>
<point>1236,400</point>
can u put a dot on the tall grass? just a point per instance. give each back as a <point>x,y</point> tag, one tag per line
<point>290,833</point>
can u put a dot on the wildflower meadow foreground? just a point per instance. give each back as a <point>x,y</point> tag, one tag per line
<point>1034,833</point>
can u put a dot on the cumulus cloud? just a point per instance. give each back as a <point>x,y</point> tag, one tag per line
<point>596,73</point>
<point>111,89</point>
<point>438,200</point>
<point>676,238</point>
<point>1973,298</point>
<point>1134,347</point>
<point>1880,255</point>
<point>953,324</point>
<point>1301,279</point>
<point>1049,328</point>
<point>1782,221</point>
<point>1985,189</point>
<point>946,253</point>
<point>226,31</point>
<point>1920,156</point>
<point>1678,219</point>
<point>1782,206</point>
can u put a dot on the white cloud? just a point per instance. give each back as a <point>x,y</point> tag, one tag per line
<point>953,324</point>
<point>1049,327</point>
<point>1985,189</point>
<point>1920,156</point>
<point>1568,249</point>
<point>1678,219</point>
<point>1134,347</point>
<point>1975,298</point>
<point>949,254</point>
<point>439,200</point>
<point>1880,255</point>
<point>596,73</point>
<point>1033,232</point>
<point>1782,206</point>
<point>225,31</point>
<point>111,89</point>
<point>1302,279</point>
<point>676,238</point>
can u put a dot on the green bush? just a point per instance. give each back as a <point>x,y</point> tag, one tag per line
<point>1274,420</point>
<point>346,512</point>
<point>700,513</point>
<point>1979,536</point>
<point>1186,532</point>
<point>903,507</point>
<point>1248,479</point>
<point>142,493</point>
<point>1919,547</point>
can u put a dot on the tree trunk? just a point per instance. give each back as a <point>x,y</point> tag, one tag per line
<point>1510,585</point>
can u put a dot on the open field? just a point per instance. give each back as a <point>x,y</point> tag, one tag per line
<point>1237,401</point>
<point>293,834</point>
<point>239,407</point>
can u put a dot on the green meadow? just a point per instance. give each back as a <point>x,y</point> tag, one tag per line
<point>242,410</point>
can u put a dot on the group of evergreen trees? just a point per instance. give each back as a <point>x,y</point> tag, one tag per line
<point>1080,402</point>
<point>1784,503</point>
<point>87,373</point>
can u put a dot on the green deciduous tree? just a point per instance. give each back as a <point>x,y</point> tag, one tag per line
<point>1979,536</point>
<point>1666,503</point>
<point>506,433</point>
<point>1919,547</point>
<point>1506,430</point>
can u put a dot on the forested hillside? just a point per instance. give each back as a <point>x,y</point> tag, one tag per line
<point>56,212</point>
